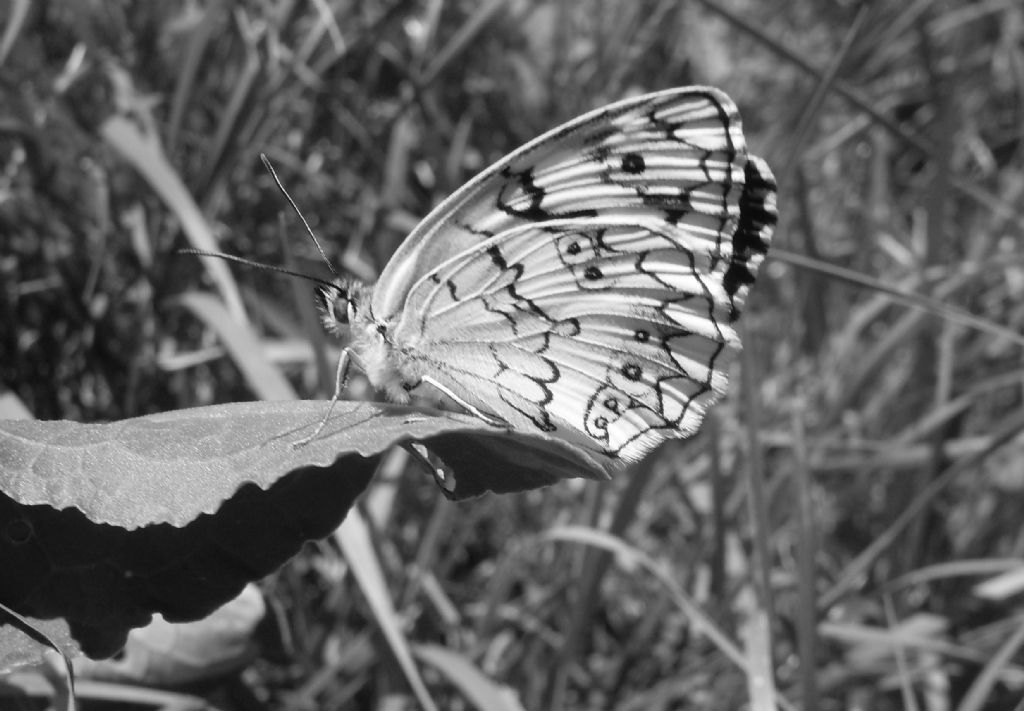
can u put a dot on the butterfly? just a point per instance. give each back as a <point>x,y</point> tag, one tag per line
<point>586,286</point>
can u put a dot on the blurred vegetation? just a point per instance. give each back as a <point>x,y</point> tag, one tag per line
<point>850,517</point>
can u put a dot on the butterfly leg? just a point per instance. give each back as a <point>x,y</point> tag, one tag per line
<point>340,377</point>
<point>492,420</point>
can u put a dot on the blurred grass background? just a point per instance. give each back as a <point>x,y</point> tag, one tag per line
<point>850,518</point>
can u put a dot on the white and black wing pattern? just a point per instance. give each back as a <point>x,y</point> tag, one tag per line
<point>586,285</point>
<point>668,155</point>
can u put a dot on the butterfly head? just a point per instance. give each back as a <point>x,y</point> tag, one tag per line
<point>340,304</point>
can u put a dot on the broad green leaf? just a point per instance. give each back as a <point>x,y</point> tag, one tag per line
<point>104,525</point>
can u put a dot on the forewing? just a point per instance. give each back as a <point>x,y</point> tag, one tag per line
<point>668,156</point>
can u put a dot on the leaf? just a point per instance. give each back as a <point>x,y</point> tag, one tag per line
<point>171,467</point>
<point>106,524</point>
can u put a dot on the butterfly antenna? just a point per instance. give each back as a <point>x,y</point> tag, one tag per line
<point>309,230</point>
<point>256,265</point>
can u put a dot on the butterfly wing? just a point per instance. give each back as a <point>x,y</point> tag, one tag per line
<point>667,155</point>
<point>587,285</point>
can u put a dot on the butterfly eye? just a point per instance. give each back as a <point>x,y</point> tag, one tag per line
<point>340,309</point>
<point>334,307</point>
